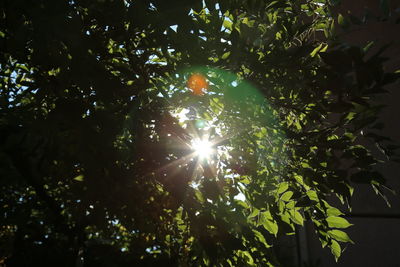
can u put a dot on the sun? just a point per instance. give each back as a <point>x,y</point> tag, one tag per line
<point>202,148</point>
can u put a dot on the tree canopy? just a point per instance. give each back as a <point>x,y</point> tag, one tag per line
<point>102,103</point>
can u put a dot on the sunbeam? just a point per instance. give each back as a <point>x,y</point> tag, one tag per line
<point>202,148</point>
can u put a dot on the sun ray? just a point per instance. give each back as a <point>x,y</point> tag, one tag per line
<point>199,150</point>
<point>203,148</point>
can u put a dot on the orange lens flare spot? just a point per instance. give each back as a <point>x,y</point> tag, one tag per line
<point>197,83</point>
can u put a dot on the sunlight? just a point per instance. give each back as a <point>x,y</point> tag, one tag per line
<point>202,148</point>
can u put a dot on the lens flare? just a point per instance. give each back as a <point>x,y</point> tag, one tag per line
<point>197,83</point>
<point>200,124</point>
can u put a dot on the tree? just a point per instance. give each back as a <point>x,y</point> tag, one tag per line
<point>102,103</point>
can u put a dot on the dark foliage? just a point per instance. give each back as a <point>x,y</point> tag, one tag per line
<point>97,168</point>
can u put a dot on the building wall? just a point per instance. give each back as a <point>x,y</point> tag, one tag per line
<point>376,230</point>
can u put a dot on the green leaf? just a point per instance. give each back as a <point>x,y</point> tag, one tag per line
<point>271,227</point>
<point>247,256</point>
<point>282,187</point>
<point>227,24</point>
<point>312,195</point>
<point>199,196</point>
<point>23,67</point>
<point>242,203</point>
<point>340,236</point>
<point>296,217</point>
<point>368,46</point>
<point>226,55</point>
<point>261,238</point>
<point>316,50</point>
<point>291,204</point>
<point>254,213</point>
<point>336,250</point>
<point>342,21</point>
<point>319,49</point>
<point>245,180</point>
<point>350,116</point>
<point>268,222</point>
<point>249,23</point>
<point>287,195</point>
<point>331,211</point>
<point>332,29</point>
<point>337,222</point>
<point>53,72</point>
<point>285,217</point>
<point>79,178</point>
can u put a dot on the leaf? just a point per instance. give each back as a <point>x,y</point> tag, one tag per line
<point>368,46</point>
<point>332,29</point>
<point>331,211</point>
<point>245,180</point>
<point>199,196</point>
<point>269,224</point>
<point>342,21</point>
<point>254,213</point>
<point>312,195</point>
<point>300,180</point>
<point>340,236</point>
<point>247,256</point>
<point>324,49</point>
<point>282,187</point>
<point>287,195</point>
<point>226,55</point>
<point>291,204</point>
<point>242,203</point>
<point>336,250</point>
<point>285,217</point>
<point>79,178</point>
<point>296,217</point>
<point>227,24</point>
<point>337,222</point>
<point>23,67</point>
<point>316,50</point>
<point>271,227</point>
<point>261,237</point>
<point>53,72</point>
<point>378,191</point>
<point>249,23</point>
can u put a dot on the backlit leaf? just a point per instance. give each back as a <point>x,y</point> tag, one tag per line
<point>337,222</point>
<point>340,236</point>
